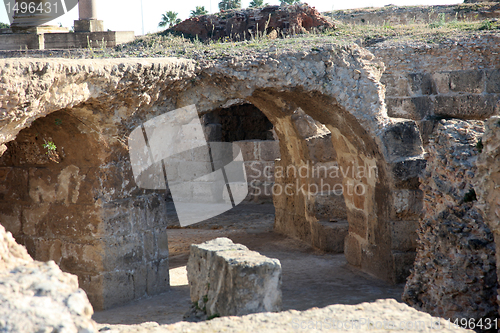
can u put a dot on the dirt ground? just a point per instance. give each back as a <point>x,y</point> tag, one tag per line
<point>310,278</point>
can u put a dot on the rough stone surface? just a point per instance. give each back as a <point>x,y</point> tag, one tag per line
<point>488,180</point>
<point>380,316</point>
<point>242,24</point>
<point>456,249</point>
<point>228,279</point>
<point>39,297</point>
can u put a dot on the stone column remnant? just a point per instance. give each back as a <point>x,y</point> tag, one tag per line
<point>88,22</point>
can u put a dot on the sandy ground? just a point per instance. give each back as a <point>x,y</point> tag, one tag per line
<point>310,278</point>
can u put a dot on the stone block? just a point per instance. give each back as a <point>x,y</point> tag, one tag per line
<point>150,246</point>
<point>88,25</point>
<point>408,169</point>
<point>10,218</point>
<point>162,243</point>
<point>442,81</point>
<point>321,148</point>
<point>414,108</point>
<point>352,249</point>
<point>74,257</point>
<point>118,288</point>
<point>327,206</point>
<point>193,170</point>
<point>14,185</point>
<point>493,81</point>
<point>329,236</point>
<point>157,277</point>
<point>156,211</point>
<point>228,279</point>
<point>402,139</point>
<point>421,84</point>
<point>269,150</point>
<point>466,106</point>
<point>249,150</point>
<point>403,263</point>
<point>123,252</point>
<point>395,85</point>
<point>140,276</point>
<point>404,235</point>
<point>467,81</point>
<point>407,204</point>
<point>357,222</point>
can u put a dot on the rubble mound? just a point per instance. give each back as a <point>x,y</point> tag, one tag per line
<point>244,24</point>
<point>37,296</point>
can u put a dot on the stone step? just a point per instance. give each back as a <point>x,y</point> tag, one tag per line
<point>329,235</point>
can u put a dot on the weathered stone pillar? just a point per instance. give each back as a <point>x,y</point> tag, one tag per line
<point>88,21</point>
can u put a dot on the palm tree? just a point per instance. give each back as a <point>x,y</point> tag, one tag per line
<point>258,3</point>
<point>170,19</point>
<point>200,10</point>
<point>229,4</point>
<point>289,2</point>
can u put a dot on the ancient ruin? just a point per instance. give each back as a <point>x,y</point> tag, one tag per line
<point>407,131</point>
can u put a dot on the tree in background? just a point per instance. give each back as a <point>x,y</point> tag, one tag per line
<point>258,3</point>
<point>170,19</point>
<point>229,4</point>
<point>289,2</point>
<point>200,10</point>
<point>4,25</point>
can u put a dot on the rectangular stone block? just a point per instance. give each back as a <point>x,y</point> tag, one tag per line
<point>493,81</point>
<point>157,277</point>
<point>14,185</point>
<point>118,288</point>
<point>404,235</point>
<point>329,236</point>
<point>396,85</point>
<point>228,279</point>
<point>192,170</point>
<point>421,84</point>
<point>471,81</point>
<point>442,81</point>
<point>407,204</point>
<point>269,150</point>
<point>123,252</point>
<point>353,249</point>
<point>249,150</point>
<point>414,108</point>
<point>162,243</point>
<point>357,222</point>
<point>466,106</point>
<point>321,148</point>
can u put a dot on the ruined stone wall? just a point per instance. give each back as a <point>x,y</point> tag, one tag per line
<point>118,95</point>
<point>488,181</point>
<point>67,199</point>
<point>456,249</point>
<point>455,79</point>
<point>394,15</point>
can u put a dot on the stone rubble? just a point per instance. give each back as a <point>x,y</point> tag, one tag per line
<point>37,296</point>
<point>244,24</point>
<point>454,275</point>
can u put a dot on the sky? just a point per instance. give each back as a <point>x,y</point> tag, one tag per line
<point>126,15</point>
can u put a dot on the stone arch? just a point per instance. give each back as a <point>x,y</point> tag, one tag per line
<point>337,86</point>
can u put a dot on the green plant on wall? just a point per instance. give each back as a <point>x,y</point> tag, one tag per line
<point>51,150</point>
